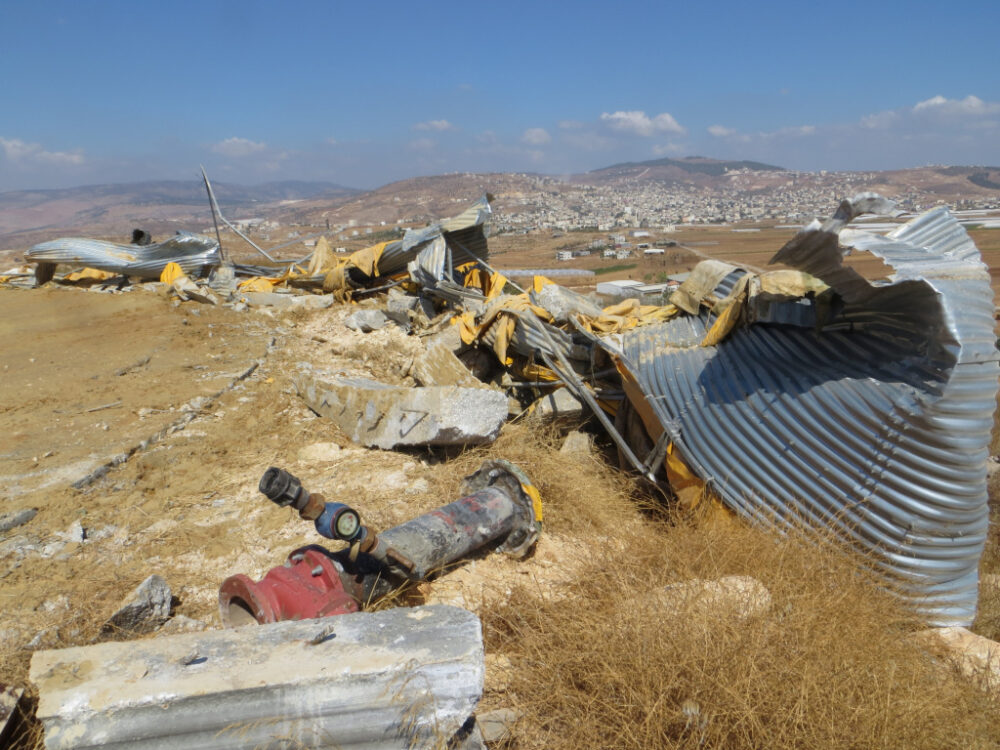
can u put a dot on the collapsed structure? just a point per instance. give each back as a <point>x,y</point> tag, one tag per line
<point>807,395</point>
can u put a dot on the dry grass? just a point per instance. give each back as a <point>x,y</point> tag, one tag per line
<point>604,664</point>
<point>600,662</point>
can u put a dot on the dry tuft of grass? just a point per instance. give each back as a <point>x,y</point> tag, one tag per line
<point>603,662</point>
<point>832,664</point>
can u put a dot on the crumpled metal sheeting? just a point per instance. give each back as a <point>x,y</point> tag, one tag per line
<point>191,252</point>
<point>465,235</point>
<point>858,430</point>
<point>529,341</point>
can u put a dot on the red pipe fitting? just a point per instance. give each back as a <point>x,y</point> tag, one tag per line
<point>308,585</point>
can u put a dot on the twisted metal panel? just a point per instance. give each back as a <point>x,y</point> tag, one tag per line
<point>192,252</point>
<point>877,427</point>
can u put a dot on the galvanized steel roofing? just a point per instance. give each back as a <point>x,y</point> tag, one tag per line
<point>192,252</point>
<point>876,426</point>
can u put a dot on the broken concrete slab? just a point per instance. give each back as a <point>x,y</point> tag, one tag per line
<point>366,321</point>
<point>404,304</point>
<point>16,518</point>
<point>399,678</point>
<point>498,725</point>
<point>560,404</point>
<point>384,416</point>
<point>288,301</point>
<point>142,611</point>
<point>577,444</point>
<point>438,365</point>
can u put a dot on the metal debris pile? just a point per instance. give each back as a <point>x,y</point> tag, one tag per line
<point>806,395</point>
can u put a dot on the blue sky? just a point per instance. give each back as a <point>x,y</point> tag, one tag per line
<point>365,93</point>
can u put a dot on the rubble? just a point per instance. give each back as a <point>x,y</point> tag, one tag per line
<point>16,518</point>
<point>142,611</point>
<point>438,365</point>
<point>366,321</point>
<point>383,416</point>
<point>287,301</point>
<point>396,678</point>
<point>577,443</point>
<point>560,405</point>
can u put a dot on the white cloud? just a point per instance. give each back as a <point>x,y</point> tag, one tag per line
<point>720,131</point>
<point>970,105</point>
<point>15,149</point>
<point>536,137</point>
<point>666,149</point>
<point>436,126</point>
<point>570,124</point>
<point>238,147</point>
<point>331,141</point>
<point>639,123</point>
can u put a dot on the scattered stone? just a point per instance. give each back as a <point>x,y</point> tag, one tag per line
<point>438,365</point>
<point>318,452</point>
<point>75,533</point>
<point>181,624</point>
<point>399,303</point>
<point>45,638</point>
<point>366,321</point>
<point>383,416</point>
<point>222,279</point>
<point>16,518</point>
<point>187,289</point>
<point>142,611</point>
<point>498,725</point>
<point>196,404</point>
<point>975,656</point>
<point>577,444</point>
<point>560,404</point>
<point>398,678</point>
<point>417,487</point>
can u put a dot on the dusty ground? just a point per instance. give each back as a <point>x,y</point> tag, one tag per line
<point>186,506</point>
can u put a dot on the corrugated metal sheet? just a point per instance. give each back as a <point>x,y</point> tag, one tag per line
<point>465,235</point>
<point>877,427</point>
<point>192,252</point>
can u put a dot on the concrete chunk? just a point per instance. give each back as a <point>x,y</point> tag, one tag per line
<point>383,416</point>
<point>560,404</point>
<point>366,321</point>
<point>399,678</point>
<point>17,518</point>
<point>143,610</point>
<point>281,301</point>
<point>438,365</point>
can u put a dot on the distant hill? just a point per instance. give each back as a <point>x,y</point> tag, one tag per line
<point>692,165</point>
<point>125,203</point>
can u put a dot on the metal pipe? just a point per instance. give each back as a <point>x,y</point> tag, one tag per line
<point>501,508</point>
